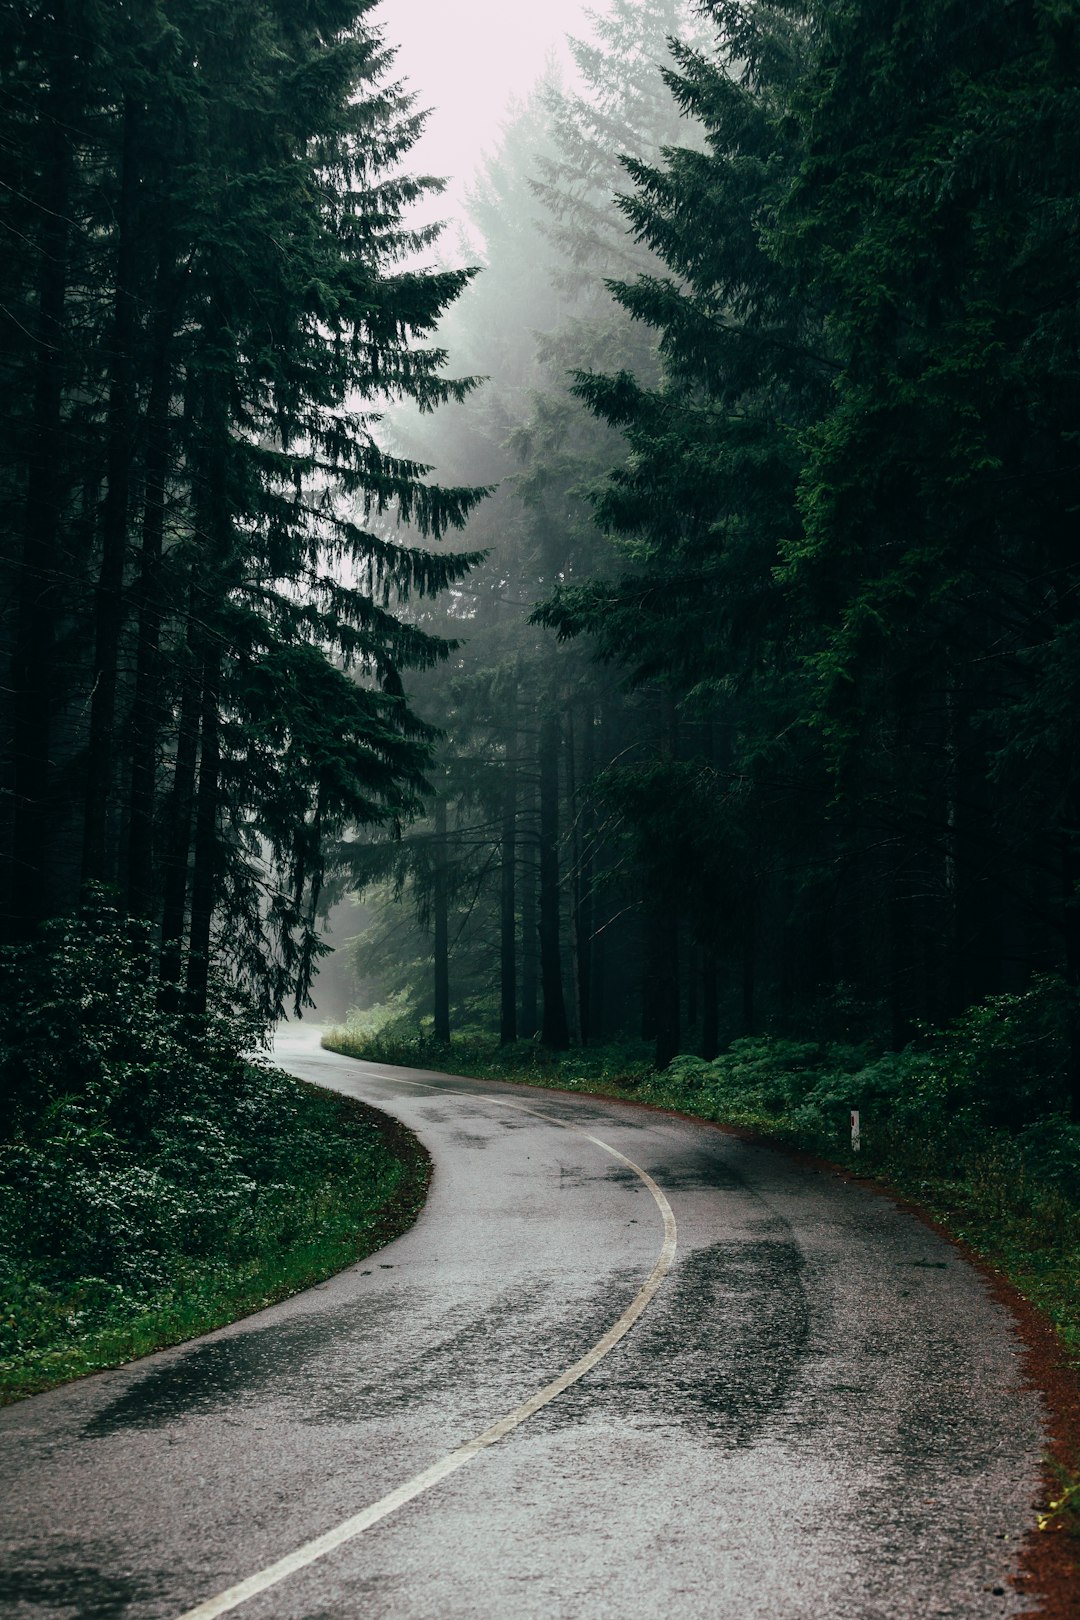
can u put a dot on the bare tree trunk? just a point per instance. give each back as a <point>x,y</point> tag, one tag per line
<point>178,841</point>
<point>574,938</point>
<point>554,1031</point>
<point>508,901</point>
<point>901,952</point>
<point>529,1022</point>
<point>109,597</point>
<point>664,929</point>
<point>148,708</point>
<point>710,1029</point>
<point>665,976</point>
<point>598,1015</point>
<point>442,926</point>
<point>1070,917</point>
<point>584,905</point>
<point>693,987</point>
<point>204,876</point>
<point>749,967</point>
<point>32,670</point>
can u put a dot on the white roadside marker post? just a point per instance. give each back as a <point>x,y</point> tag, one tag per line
<point>856,1134</point>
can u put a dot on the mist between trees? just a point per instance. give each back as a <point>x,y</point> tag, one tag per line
<point>744,696</point>
<point>782,409</point>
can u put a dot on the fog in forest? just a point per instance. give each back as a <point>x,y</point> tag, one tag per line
<point>544,526</point>
<point>533,137</point>
<point>466,64</point>
<point>642,827</point>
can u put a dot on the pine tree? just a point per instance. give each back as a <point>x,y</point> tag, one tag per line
<point>703,502</point>
<point>209,400</point>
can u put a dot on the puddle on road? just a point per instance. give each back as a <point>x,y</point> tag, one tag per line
<point>691,1172</point>
<point>468,1139</point>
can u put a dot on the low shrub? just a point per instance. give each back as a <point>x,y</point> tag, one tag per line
<point>154,1179</point>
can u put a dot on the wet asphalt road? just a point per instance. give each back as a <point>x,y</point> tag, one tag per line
<point>821,1413</point>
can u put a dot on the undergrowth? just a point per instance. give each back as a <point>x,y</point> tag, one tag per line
<point>154,1181</point>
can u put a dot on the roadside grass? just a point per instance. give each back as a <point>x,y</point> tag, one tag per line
<point>326,1182</point>
<point>156,1182</point>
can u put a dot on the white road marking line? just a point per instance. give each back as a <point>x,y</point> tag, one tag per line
<point>359,1522</point>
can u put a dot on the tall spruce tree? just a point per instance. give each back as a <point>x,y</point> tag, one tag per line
<point>199,485</point>
<point>703,503</point>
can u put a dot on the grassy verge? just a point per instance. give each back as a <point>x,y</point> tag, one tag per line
<point>312,1183</point>
<point>1011,1195</point>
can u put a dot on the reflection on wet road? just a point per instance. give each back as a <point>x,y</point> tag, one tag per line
<point>817,1414</point>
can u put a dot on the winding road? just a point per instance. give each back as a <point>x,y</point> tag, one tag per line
<point>624,1365</point>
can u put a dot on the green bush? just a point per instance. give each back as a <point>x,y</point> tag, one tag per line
<point>401,1040</point>
<point>1000,1066</point>
<point>148,1163</point>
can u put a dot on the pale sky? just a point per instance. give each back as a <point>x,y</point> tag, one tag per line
<point>466,59</point>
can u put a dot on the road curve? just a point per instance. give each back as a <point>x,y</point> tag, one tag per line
<point>818,1409</point>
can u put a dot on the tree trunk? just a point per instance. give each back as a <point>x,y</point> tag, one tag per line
<point>749,967</point>
<point>665,976</point>
<point>664,927</point>
<point>1071,927</point>
<point>109,597</point>
<point>710,1029</point>
<point>178,842</point>
<point>554,1032</point>
<point>574,938</point>
<point>584,908</point>
<point>148,706</point>
<point>204,877</point>
<point>646,955</point>
<point>32,670</point>
<point>508,902</point>
<point>440,901</point>
<point>598,1012</point>
<point>901,952</point>
<point>529,1022</point>
<point>211,469</point>
<point>976,924</point>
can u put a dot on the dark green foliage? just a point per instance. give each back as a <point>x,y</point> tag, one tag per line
<point>476,1051</point>
<point>1001,1066</point>
<point>848,511</point>
<point>79,1027</point>
<point>206,647</point>
<point>153,1181</point>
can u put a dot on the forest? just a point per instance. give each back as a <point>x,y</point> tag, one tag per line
<point>763,718</point>
<point>655,625</point>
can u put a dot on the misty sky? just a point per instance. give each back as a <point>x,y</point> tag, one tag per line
<point>465,59</point>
